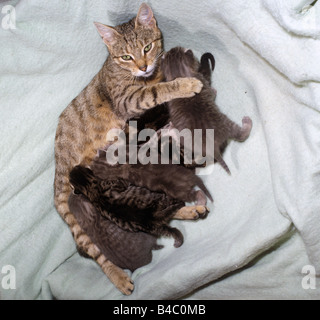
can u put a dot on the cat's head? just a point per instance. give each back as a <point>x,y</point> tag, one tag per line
<point>135,46</point>
<point>179,62</point>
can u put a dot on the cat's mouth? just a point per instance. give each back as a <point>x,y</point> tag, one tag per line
<point>146,74</point>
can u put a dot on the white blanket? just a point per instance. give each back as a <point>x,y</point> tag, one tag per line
<point>263,228</point>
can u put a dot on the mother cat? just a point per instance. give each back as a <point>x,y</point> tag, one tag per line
<point>128,84</point>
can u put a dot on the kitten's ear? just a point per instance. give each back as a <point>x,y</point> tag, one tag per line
<point>108,34</point>
<point>145,17</point>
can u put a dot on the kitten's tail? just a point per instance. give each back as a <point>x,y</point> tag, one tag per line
<point>222,163</point>
<point>202,186</point>
<point>205,60</point>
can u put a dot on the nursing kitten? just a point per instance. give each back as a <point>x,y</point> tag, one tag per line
<point>127,250</point>
<point>175,181</point>
<point>128,84</point>
<point>200,112</point>
<point>130,207</point>
<point>159,116</point>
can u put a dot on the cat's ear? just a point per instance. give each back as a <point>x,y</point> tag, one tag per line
<point>145,17</point>
<point>108,34</point>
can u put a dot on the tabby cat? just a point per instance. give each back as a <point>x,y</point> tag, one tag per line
<point>128,84</point>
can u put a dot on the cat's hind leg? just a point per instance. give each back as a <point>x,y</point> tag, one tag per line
<point>116,275</point>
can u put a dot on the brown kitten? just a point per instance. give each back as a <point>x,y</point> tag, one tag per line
<point>128,250</point>
<point>159,116</point>
<point>175,181</point>
<point>130,207</point>
<point>122,89</point>
<point>200,112</point>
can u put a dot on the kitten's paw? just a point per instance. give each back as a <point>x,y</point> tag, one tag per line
<point>188,87</point>
<point>246,128</point>
<point>246,121</point>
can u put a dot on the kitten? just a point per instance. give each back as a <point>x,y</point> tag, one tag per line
<point>128,250</point>
<point>200,112</point>
<point>128,84</point>
<point>175,181</point>
<point>130,207</point>
<point>159,116</point>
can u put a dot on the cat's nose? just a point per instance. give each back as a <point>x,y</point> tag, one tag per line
<point>143,68</point>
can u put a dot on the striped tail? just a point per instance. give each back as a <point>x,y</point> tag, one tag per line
<point>82,240</point>
<point>116,275</point>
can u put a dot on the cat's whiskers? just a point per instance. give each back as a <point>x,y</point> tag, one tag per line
<point>159,55</point>
<point>129,77</point>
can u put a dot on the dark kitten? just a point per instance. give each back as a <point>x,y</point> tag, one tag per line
<point>128,250</point>
<point>130,207</point>
<point>200,111</point>
<point>159,116</point>
<point>155,118</point>
<point>175,181</point>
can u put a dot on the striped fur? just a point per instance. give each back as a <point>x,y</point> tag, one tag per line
<point>112,97</point>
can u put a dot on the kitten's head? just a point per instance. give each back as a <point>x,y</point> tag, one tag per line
<point>81,179</point>
<point>136,45</point>
<point>179,62</point>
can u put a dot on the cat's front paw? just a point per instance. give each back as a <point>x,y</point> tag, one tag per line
<point>192,213</point>
<point>189,87</point>
<point>196,85</point>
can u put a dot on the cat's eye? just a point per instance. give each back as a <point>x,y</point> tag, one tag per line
<point>126,57</point>
<point>148,47</point>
